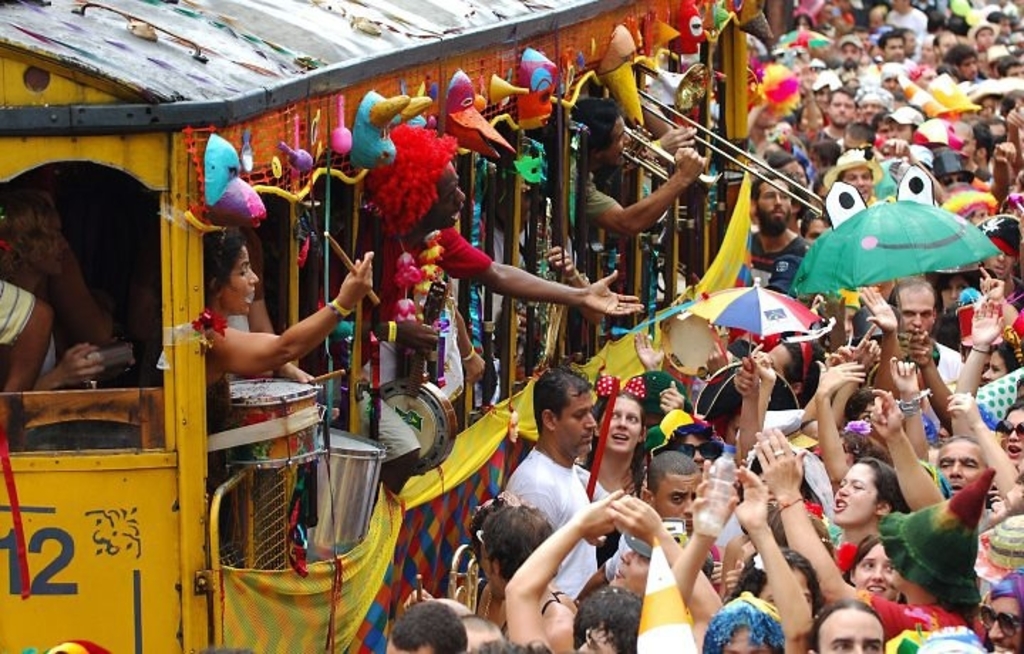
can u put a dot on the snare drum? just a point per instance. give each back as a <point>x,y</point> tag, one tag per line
<point>288,414</point>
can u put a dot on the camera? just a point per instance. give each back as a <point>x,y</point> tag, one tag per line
<point>116,358</point>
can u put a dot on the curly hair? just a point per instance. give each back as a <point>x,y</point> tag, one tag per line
<point>220,254</point>
<point>405,190</point>
<point>31,226</point>
<point>511,534</point>
<point>753,579</point>
<point>615,611</point>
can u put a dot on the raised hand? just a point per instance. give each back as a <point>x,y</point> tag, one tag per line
<point>904,376</point>
<point>783,469</point>
<point>358,282</point>
<point>747,381</point>
<point>752,512</point>
<point>963,407</point>
<point>837,376</point>
<point>670,399</point>
<point>882,315</point>
<point>651,358</point>
<point>765,368</point>
<point>993,289</point>
<point>987,323</point>
<point>886,416</point>
<point>867,353</point>
<point>920,349</point>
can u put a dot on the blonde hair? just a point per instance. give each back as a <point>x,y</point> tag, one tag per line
<point>30,226</point>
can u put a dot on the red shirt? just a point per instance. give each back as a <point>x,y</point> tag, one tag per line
<point>459,260</point>
<point>897,618</point>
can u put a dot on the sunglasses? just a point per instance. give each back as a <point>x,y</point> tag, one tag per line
<point>1008,623</point>
<point>1007,427</point>
<point>709,450</point>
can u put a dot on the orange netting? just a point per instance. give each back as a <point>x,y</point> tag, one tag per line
<point>566,47</point>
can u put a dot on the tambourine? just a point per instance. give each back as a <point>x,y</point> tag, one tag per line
<point>430,415</point>
<point>688,341</point>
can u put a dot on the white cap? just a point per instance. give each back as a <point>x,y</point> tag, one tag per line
<point>827,78</point>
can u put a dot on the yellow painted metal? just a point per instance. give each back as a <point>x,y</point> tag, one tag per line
<point>101,546</point>
<point>56,90</point>
<point>184,383</point>
<point>733,45</point>
<point>143,156</point>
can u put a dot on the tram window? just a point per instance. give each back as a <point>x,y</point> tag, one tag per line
<point>101,278</point>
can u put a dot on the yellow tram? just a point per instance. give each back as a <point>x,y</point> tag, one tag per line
<point>110,532</point>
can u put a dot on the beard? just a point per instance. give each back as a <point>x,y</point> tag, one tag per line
<point>770,226</point>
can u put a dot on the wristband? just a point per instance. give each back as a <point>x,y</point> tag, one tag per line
<point>392,332</point>
<point>981,351</point>
<point>469,356</point>
<point>338,309</point>
<point>785,505</point>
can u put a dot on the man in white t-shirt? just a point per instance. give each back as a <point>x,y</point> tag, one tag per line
<point>907,17</point>
<point>547,478</point>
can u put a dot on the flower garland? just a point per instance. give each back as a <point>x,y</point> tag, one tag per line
<point>417,273</point>
<point>208,321</point>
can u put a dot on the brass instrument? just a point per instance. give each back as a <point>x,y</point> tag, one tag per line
<point>462,584</point>
<point>725,148</point>
<point>642,152</point>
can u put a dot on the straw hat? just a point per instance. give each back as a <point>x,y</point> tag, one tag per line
<point>853,159</point>
<point>1001,549</point>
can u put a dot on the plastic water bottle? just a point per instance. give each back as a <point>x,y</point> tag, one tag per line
<point>710,520</point>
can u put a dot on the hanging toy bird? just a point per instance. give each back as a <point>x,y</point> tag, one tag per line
<point>616,72</point>
<point>692,23</point>
<point>371,142</point>
<point>465,122</point>
<point>229,199</point>
<point>536,73</point>
<point>300,159</point>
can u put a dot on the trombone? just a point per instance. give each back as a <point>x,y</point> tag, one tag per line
<point>643,153</point>
<point>464,577</point>
<point>805,197</point>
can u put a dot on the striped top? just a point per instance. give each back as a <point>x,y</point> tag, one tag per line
<point>16,307</point>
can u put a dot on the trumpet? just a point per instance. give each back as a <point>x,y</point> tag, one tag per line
<point>725,148</point>
<point>642,152</point>
<point>462,584</point>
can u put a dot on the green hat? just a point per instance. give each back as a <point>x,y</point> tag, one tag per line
<point>656,381</point>
<point>936,547</point>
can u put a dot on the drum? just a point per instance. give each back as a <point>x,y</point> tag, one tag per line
<point>273,423</point>
<point>688,343</point>
<point>429,412</point>
<point>346,490</point>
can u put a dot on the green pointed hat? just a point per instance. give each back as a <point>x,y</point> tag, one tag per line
<point>936,547</point>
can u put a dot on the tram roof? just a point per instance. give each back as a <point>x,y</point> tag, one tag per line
<point>251,54</point>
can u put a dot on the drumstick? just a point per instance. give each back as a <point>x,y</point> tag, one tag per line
<point>419,588</point>
<point>330,375</point>
<point>348,264</point>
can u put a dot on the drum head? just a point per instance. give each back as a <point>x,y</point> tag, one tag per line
<point>264,392</point>
<point>688,343</point>
<point>342,442</point>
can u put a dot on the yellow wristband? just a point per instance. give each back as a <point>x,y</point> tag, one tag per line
<point>338,309</point>
<point>392,331</point>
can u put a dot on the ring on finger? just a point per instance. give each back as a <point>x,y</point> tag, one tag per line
<point>778,452</point>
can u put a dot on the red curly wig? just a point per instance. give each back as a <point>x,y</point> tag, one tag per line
<point>405,190</point>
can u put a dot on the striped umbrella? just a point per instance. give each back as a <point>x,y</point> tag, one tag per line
<point>756,310</point>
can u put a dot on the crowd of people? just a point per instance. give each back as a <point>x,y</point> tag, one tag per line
<point>879,498</point>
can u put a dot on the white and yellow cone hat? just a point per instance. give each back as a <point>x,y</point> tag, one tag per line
<point>665,622</point>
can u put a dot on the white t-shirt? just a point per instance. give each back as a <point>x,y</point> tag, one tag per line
<point>559,494</point>
<point>914,20</point>
<point>949,364</point>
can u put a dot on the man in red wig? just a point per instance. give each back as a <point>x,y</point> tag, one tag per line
<point>418,200</point>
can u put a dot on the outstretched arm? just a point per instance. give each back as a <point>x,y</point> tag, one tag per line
<point>645,212</point>
<point>598,297</point>
<point>251,354</point>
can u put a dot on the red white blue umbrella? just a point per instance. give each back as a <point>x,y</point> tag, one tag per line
<point>756,310</point>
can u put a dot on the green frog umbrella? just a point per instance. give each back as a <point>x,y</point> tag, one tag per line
<point>889,240</point>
